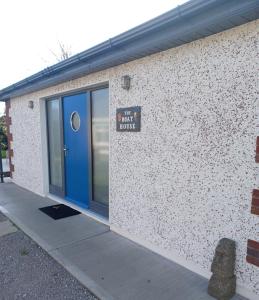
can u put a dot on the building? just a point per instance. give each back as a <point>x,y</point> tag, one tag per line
<point>186,177</point>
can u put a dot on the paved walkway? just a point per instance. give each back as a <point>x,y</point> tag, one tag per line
<point>112,267</point>
<point>28,272</point>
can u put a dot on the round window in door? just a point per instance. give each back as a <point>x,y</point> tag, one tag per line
<point>75,121</point>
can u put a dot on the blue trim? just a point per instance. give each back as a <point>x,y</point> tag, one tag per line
<point>80,204</point>
<point>191,21</point>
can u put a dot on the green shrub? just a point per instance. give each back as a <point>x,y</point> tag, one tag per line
<point>3,153</point>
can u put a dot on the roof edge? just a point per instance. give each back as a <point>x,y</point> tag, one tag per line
<point>193,20</point>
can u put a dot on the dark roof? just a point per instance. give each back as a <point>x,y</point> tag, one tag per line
<point>191,21</point>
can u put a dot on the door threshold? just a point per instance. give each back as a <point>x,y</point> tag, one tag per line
<point>86,212</point>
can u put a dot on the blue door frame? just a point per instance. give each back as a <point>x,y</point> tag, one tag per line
<point>77,153</point>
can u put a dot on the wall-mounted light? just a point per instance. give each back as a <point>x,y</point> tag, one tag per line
<point>30,104</point>
<point>125,82</point>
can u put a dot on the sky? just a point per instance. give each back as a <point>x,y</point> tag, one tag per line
<point>31,30</point>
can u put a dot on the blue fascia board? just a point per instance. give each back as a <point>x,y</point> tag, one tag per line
<point>191,21</point>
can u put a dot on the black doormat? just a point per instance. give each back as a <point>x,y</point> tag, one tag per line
<point>59,211</point>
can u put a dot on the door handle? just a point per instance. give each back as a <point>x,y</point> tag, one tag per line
<point>65,149</point>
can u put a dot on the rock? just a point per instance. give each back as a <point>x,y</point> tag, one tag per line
<point>222,289</point>
<point>222,284</point>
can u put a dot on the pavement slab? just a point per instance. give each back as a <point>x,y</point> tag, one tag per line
<point>28,272</point>
<point>6,227</point>
<point>109,265</point>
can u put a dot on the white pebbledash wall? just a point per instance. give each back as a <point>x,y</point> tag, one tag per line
<point>185,181</point>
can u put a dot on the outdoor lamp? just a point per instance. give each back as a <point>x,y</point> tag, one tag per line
<point>30,104</point>
<point>125,82</point>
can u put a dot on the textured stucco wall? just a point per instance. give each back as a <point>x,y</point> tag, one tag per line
<point>26,144</point>
<point>185,180</point>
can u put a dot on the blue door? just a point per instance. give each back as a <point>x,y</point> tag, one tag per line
<point>76,112</point>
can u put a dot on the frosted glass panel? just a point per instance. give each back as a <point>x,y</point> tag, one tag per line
<point>54,135</point>
<point>100,145</point>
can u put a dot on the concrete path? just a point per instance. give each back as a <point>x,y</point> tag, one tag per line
<point>6,227</point>
<point>28,272</point>
<point>111,266</point>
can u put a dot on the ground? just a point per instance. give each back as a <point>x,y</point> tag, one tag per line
<point>28,272</point>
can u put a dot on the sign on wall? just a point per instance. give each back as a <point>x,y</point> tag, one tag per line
<point>128,119</point>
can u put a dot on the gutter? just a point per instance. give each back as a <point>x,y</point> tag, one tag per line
<point>191,21</point>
